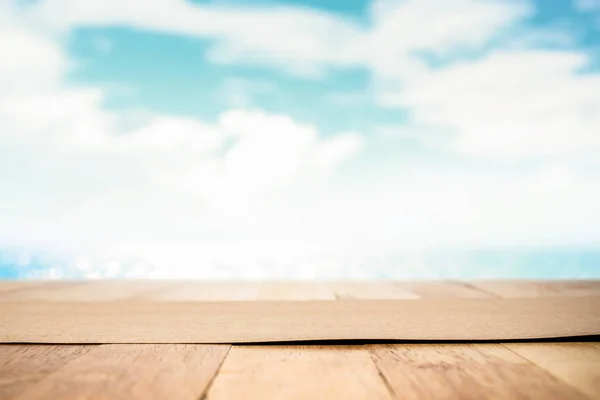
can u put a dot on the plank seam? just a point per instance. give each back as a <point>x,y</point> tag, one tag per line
<point>204,394</point>
<point>584,395</point>
<point>382,376</point>
<point>475,287</point>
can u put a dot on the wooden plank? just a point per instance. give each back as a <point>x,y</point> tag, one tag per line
<point>443,290</point>
<point>298,372</point>
<point>33,291</point>
<point>235,322</point>
<point>578,364</point>
<point>450,371</point>
<point>11,286</point>
<point>24,365</point>
<point>207,291</point>
<point>462,371</point>
<point>535,289</point>
<point>574,363</point>
<point>133,372</point>
<point>294,291</point>
<point>244,291</point>
<point>371,290</point>
<point>86,290</point>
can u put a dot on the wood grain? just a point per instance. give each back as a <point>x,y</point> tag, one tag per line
<point>294,291</point>
<point>463,371</point>
<point>235,322</point>
<point>180,311</point>
<point>205,291</point>
<point>448,371</point>
<point>444,290</point>
<point>371,290</point>
<point>540,289</point>
<point>133,372</point>
<point>298,372</point>
<point>85,291</point>
<point>22,366</point>
<point>575,363</point>
<point>408,290</point>
<point>11,286</point>
<point>235,291</point>
<point>40,291</point>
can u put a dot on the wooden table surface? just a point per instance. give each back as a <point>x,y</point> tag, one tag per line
<point>345,370</point>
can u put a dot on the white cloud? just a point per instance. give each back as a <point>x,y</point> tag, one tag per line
<point>306,41</point>
<point>27,54</point>
<point>400,28</point>
<point>254,194</point>
<point>302,40</point>
<point>75,173</point>
<point>501,104</point>
<point>515,101</point>
<point>299,39</point>
<point>512,104</point>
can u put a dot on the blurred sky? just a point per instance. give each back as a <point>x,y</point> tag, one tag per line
<point>299,139</point>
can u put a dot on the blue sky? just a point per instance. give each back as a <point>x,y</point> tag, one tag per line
<point>300,139</point>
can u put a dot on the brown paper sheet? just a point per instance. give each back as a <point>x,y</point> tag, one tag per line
<point>238,322</point>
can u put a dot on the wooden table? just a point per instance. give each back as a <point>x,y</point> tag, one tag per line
<point>565,369</point>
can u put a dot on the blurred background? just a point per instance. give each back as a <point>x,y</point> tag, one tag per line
<point>300,139</point>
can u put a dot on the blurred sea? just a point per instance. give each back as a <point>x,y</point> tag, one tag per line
<point>464,264</point>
